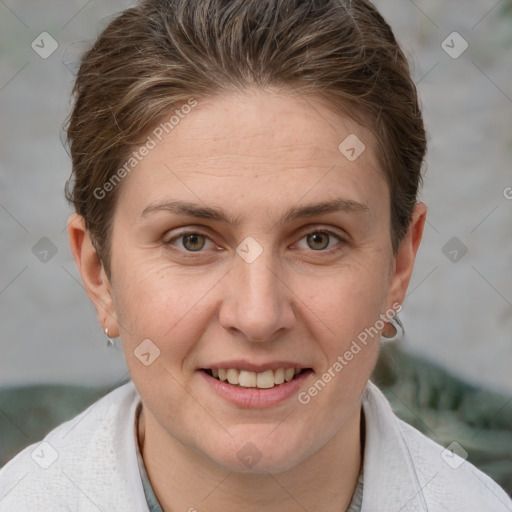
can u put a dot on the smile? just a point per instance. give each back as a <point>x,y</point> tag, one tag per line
<point>261,380</point>
<point>250,389</point>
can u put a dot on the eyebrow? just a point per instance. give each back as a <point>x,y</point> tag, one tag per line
<point>294,213</point>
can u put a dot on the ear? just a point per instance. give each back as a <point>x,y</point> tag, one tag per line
<point>406,256</point>
<point>93,274</point>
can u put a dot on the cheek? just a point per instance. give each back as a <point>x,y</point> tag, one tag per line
<point>165,307</point>
<point>344,317</point>
<point>348,310</point>
<point>349,301</point>
<point>163,303</point>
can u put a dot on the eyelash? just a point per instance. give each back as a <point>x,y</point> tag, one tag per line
<point>190,254</point>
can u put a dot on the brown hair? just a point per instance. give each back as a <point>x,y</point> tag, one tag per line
<point>161,53</point>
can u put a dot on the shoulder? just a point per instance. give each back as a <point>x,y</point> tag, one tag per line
<point>85,463</point>
<point>425,475</point>
<point>452,479</point>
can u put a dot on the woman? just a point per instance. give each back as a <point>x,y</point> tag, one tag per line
<point>245,180</point>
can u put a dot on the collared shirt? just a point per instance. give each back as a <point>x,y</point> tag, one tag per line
<point>90,463</point>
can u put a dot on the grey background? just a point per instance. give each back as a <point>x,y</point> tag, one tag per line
<point>457,313</point>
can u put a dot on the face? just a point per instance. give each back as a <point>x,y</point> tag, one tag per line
<point>246,240</point>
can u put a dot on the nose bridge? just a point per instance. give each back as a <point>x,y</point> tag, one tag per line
<point>259,304</point>
<point>260,280</point>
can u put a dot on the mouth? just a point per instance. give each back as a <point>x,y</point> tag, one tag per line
<point>266,379</point>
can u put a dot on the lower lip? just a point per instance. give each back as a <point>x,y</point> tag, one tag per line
<point>254,398</point>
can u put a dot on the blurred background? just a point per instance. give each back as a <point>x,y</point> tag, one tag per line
<point>458,312</point>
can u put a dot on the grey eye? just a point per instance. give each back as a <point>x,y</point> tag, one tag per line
<point>318,240</point>
<point>193,241</point>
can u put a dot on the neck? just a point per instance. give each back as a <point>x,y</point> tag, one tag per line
<point>183,479</point>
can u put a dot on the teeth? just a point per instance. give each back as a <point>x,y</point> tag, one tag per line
<point>263,380</point>
<point>279,376</point>
<point>247,379</point>
<point>232,376</point>
<point>288,374</point>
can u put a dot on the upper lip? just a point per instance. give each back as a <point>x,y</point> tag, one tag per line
<point>241,364</point>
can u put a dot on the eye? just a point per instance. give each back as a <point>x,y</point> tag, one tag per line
<point>320,240</point>
<point>190,241</point>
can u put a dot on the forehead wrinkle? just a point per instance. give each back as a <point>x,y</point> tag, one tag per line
<point>235,163</point>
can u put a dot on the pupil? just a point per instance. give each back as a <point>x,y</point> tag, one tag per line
<point>191,242</point>
<point>316,238</point>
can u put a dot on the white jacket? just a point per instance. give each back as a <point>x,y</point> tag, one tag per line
<point>91,465</point>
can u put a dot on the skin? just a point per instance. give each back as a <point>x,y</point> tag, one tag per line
<point>255,154</point>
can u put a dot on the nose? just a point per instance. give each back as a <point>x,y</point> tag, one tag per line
<point>258,304</point>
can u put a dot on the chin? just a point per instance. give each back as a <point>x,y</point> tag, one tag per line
<point>258,455</point>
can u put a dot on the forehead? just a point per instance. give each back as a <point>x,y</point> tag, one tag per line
<point>273,148</point>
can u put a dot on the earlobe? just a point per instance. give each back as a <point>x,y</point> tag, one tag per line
<point>406,255</point>
<point>93,275</point>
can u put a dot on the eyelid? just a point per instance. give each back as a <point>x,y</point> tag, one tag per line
<point>186,231</point>
<point>342,240</point>
<point>308,230</point>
